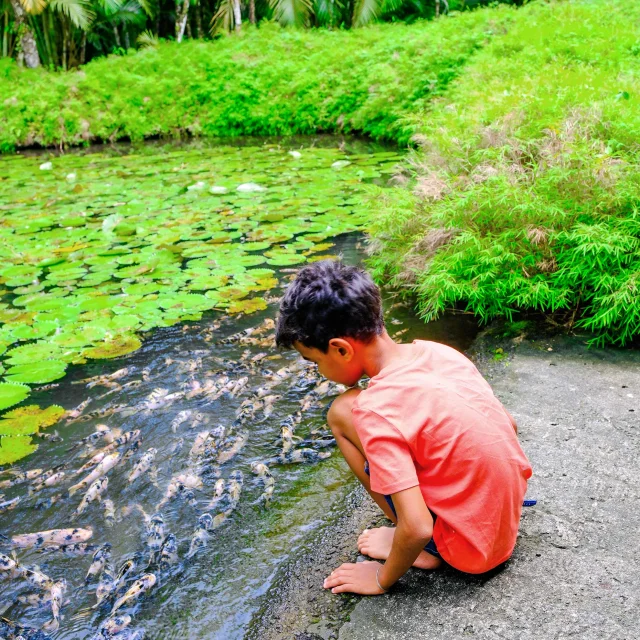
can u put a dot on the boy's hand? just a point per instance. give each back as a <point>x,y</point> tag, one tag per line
<point>355,578</point>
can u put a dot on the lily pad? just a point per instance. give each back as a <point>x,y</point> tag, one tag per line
<point>286,259</point>
<point>45,417</point>
<point>247,306</point>
<point>120,346</point>
<point>14,448</point>
<point>11,393</point>
<point>37,372</point>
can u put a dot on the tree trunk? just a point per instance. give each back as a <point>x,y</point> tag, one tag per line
<point>5,36</point>
<point>437,8</point>
<point>116,34</point>
<point>237,16</point>
<point>199,21</point>
<point>83,48</point>
<point>65,44</point>
<point>127,44</point>
<point>27,47</point>
<point>182,13</point>
<point>252,11</point>
<point>188,28</point>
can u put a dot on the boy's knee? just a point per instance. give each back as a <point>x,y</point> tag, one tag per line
<point>340,410</point>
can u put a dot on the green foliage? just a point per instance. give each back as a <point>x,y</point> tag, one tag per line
<point>525,191</point>
<point>272,81</point>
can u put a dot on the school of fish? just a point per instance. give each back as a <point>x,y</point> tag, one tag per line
<point>209,480</point>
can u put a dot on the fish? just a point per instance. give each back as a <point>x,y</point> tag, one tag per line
<point>288,439</point>
<point>268,482</point>
<point>113,626</point>
<point>102,432</point>
<point>145,462</point>
<point>177,447</point>
<point>52,536</point>
<point>109,512</point>
<point>8,505</point>
<point>232,448</point>
<point>10,630</point>
<point>182,417</point>
<point>302,455</point>
<point>269,401</point>
<point>57,591</point>
<point>96,459</point>
<point>236,479</point>
<point>199,444</point>
<point>155,535</point>
<point>77,549</point>
<point>50,437</point>
<point>137,589</point>
<point>94,492</point>
<point>106,585</point>
<point>101,469</point>
<point>51,481</point>
<point>9,566</point>
<point>74,414</point>
<point>200,536</point>
<point>177,484</point>
<point>98,561</point>
<point>240,384</point>
<point>36,578</point>
<point>132,449</point>
<point>35,599</point>
<point>19,477</point>
<point>168,553</point>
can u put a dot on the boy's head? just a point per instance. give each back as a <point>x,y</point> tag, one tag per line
<point>328,313</point>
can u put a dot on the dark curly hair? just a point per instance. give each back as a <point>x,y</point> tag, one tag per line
<point>328,300</point>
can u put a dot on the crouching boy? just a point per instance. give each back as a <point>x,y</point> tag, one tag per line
<point>428,439</point>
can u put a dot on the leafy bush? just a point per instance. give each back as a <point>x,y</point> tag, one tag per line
<point>525,191</point>
<point>269,81</point>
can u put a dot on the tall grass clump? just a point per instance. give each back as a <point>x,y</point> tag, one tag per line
<point>269,81</point>
<point>524,193</point>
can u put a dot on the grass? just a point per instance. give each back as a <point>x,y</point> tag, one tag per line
<point>524,193</point>
<point>270,81</point>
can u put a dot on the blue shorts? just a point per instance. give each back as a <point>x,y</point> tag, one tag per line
<point>431,545</point>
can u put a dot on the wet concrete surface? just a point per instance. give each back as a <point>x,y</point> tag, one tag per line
<point>575,572</point>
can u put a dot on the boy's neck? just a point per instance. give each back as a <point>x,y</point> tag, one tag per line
<point>381,352</point>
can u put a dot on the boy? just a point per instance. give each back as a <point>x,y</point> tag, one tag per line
<point>428,439</point>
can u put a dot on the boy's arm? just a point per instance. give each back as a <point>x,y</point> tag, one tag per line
<point>414,530</point>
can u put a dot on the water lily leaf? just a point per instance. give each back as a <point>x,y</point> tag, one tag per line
<point>120,346</point>
<point>22,426</point>
<point>37,372</point>
<point>14,448</point>
<point>33,352</point>
<point>286,259</point>
<point>46,417</point>
<point>11,393</point>
<point>247,306</point>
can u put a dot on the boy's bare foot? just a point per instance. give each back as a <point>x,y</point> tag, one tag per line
<point>376,543</point>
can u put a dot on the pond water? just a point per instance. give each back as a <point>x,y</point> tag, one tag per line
<point>54,231</point>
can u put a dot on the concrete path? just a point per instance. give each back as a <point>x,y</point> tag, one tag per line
<point>576,569</point>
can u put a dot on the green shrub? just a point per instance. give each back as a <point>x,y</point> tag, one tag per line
<point>525,193</point>
<point>269,81</point>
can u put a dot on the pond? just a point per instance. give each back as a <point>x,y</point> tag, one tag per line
<point>194,242</point>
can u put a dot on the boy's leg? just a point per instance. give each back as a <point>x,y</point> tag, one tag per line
<point>376,543</point>
<point>341,422</point>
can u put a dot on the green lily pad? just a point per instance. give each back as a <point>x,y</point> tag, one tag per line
<point>14,448</point>
<point>37,372</point>
<point>119,346</point>
<point>247,306</point>
<point>45,417</point>
<point>34,352</point>
<point>286,259</point>
<point>11,393</point>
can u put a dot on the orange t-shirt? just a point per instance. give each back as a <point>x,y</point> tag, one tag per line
<point>432,421</point>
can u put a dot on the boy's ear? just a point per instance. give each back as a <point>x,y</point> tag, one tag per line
<point>343,347</point>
